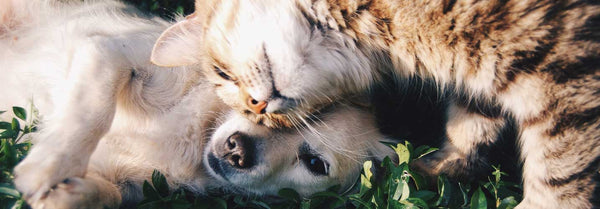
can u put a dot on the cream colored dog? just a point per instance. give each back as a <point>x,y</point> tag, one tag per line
<point>109,117</point>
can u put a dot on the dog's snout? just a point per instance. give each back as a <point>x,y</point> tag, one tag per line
<point>239,151</point>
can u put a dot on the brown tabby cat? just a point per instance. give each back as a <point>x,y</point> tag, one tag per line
<point>533,61</point>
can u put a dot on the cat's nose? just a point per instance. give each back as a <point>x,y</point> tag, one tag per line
<point>239,151</point>
<point>257,107</point>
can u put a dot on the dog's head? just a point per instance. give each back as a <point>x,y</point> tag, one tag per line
<point>250,158</point>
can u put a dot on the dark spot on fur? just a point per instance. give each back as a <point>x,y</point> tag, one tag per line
<point>133,73</point>
<point>364,7</point>
<point>247,112</point>
<point>590,31</point>
<point>448,6</point>
<point>312,22</point>
<point>590,170</point>
<point>563,71</point>
<point>528,61</point>
<point>575,120</point>
<point>452,24</point>
<point>554,12</point>
<point>489,109</point>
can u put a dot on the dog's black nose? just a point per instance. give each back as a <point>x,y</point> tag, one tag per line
<point>239,151</point>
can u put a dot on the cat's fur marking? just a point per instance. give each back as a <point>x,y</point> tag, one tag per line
<point>538,59</point>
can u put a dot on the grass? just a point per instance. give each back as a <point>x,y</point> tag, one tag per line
<point>396,187</point>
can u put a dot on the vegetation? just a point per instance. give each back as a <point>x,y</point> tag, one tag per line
<point>13,149</point>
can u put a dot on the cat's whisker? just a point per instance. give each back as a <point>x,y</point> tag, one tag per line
<point>331,144</point>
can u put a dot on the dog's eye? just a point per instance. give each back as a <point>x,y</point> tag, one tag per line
<point>315,164</point>
<point>221,73</point>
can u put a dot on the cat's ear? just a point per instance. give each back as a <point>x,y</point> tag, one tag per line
<point>180,44</point>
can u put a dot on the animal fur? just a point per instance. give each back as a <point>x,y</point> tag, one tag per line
<point>535,62</point>
<point>110,117</point>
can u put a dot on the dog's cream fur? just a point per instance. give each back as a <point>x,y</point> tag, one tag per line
<point>86,68</point>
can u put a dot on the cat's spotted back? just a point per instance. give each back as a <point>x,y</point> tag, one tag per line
<point>535,62</point>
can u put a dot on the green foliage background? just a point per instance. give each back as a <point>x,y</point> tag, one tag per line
<point>164,8</point>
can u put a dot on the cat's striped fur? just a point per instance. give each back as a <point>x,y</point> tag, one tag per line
<point>536,62</point>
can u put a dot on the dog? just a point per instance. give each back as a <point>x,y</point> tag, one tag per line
<point>109,117</point>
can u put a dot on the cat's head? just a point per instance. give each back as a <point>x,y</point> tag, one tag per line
<point>248,158</point>
<point>266,59</point>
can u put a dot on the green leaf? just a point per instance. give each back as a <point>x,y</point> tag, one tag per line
<point>15,125</point>
<point>403,153</point>
<point>179,10</point>
<point>19,204</point>
<point>20,113</point>
<point>450,193</point>
<point>261,204</point>
<point>359,202</point>
<point>149,192</point>
<point>424,195</point>
<point>9,190</point>
<point>478,200</point>
<point>210,203</point>
<point>289,194</point>
<point>327,194</point>
<point>5,125</point>
<point>8,154</point>
<point>414,203</point>
<point>1,112</point>
<point>367,169</point>
<point>508,203</point>
<point>151,205</point>
<point>160,183</point>
<point>424,150</point>
<point>179,204</point>
<point>8,134</point>
<point>305,204</point>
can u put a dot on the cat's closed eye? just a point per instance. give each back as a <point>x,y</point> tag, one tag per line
<point>222,74</point>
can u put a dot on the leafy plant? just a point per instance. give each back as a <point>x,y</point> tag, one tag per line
<point>12,150</point>
<point>165,8</point>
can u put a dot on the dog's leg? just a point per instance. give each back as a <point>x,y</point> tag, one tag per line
<point>92,192</point>
<point>83,114</point>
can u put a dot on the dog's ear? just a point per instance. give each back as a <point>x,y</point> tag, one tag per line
<point>180,44</point>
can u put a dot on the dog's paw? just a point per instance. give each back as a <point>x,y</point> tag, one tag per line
<point>72,193</point>
<point>43,169</point>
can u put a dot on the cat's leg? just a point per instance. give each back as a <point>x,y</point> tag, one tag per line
<point>92,191</point>
<point>84,111</point>
<point>469,133</point>
<point>561,158</point>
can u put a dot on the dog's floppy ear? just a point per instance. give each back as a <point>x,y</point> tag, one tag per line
<point>180,44</point>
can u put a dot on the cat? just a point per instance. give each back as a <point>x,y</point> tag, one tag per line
<point>534,62</point>
<point>109,117</point>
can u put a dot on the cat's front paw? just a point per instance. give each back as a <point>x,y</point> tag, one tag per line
<point>43,168</point>
<point>427,166</point>
<point>454,165</point>
<point>73,193</point>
